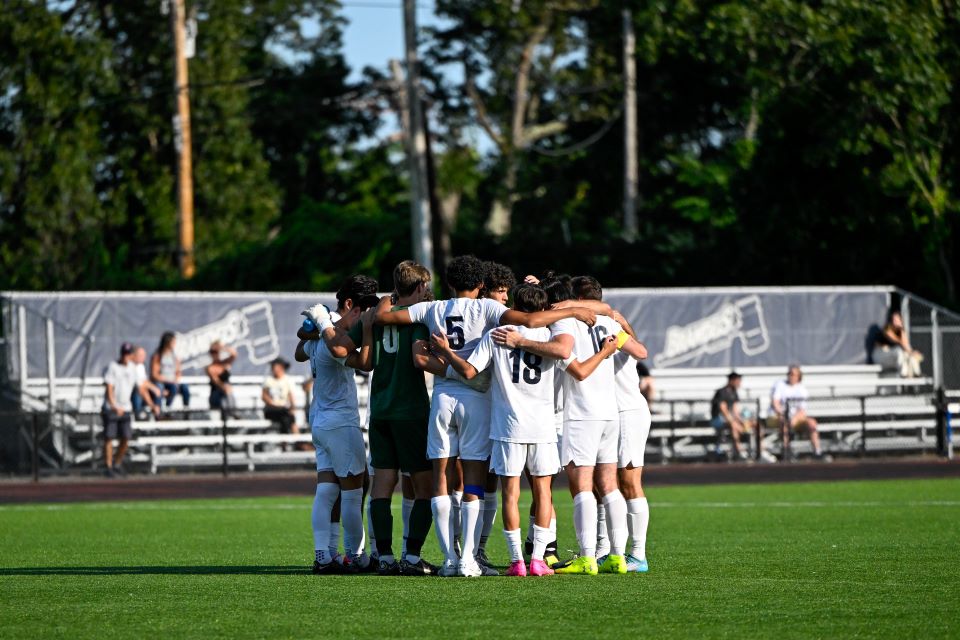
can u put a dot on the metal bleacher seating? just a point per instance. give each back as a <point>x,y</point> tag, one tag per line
<point>860,412</point>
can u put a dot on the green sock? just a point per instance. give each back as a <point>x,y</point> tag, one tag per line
<point>382,525</point>
<point>421,517</point>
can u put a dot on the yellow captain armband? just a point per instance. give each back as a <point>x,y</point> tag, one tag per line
<point>622,338</point>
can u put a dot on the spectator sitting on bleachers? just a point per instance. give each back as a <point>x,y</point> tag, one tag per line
<point>788,406</point>
<point>221,393</point>
<point>165,370</point>
<point>278,397</point>
<point>646,383</point>
<point>892,350</point>
<point>146,393</point>
<point>725,413</point>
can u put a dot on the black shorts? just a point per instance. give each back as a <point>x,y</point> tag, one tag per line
<point>283,417</point>
<point>116,426</point>
<point>399,444</point>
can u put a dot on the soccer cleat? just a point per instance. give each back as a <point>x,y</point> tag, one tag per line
<point>582,565</point>
<point>528,547</point>
<point>517,568</point>
<point>448,569</point>
<point>388,568</point>
<point>488,572</point>
<point>550,558</point>
<point>482,559</point>
<point>328,569</point>
<point>613,564</point>
<point>351,565</point>
<point>418,568</point>
<point>636,565</point>
<point>540,568</point>
<point>469,569</point>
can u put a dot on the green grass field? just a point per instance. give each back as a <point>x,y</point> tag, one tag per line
<point>828,560</point>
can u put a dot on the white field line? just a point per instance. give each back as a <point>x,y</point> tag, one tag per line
<point>230,506</point>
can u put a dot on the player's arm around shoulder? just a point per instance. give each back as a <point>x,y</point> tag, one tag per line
<point>384,313</point>
<point>583,370</point>
<point>538,319</point>
<point>559,347</point>
<point>440,343</point>
<point>362,360</point>
<point>425,360</point>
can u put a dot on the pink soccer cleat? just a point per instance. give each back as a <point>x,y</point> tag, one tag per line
<point>517,568</point>
<point>540,568</point>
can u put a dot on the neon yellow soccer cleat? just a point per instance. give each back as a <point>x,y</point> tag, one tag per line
<point>614,564</point>
<point>583,565</point>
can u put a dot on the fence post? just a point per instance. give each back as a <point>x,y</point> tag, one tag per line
<point>863,426</point>
<point>944,435</point>
<point>223,415</point>
<point>936,351</point>
<point>757,433</point>
<point>785,432</point>
<point>35,457</point>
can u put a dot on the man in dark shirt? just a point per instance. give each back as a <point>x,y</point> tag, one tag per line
<point>725,412</point>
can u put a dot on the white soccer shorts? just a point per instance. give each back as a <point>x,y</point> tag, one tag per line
<point>588,443</point>
<point>459,425</point>
<point>510,458</point>
<point>634,430</point>
<point>340,451</point>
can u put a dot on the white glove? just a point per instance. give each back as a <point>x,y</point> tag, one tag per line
<point>319,314</point>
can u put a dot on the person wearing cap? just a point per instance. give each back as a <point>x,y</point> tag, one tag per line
<point>278,397</point>
<point>120,382</point>
<point>725,413</point>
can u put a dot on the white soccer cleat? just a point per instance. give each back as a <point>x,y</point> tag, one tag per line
<point>318,313</point>
<point>448,570</point>
<point>469,569</point>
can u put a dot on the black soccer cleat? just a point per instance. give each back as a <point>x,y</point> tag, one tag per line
<point>331,568</point>
<point>420,568</point>
<point>385,568</point>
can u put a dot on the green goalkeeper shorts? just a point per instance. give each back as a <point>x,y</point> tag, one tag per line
<point>399,444</point>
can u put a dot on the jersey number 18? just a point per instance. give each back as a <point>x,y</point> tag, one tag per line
<point>531,370</point>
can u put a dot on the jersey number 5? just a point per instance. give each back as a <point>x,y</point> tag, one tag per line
<point>531,372</point>
<point>455,332</point>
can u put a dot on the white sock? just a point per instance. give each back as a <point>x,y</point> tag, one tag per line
<point>541,538</point>
<point>638,518</point>
<point>441,525</point>
<point>530,525</point>
<point>585,522</point>
<point>514,546</point>
<point>351,515</point>
<point>370,536</point>
<point>334,542</point>
<point>470,516</point>
<point>616,508</point>
<point>405,508</point>
<point>553,528</point>
<point>323,503</point>
<point>456,502</point>
<point>489,517</point>
<point>603,541</point>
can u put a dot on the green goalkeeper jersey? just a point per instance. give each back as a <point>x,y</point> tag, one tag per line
<point>397,390</point>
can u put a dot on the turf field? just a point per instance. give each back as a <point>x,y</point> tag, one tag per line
<point>829,560</point>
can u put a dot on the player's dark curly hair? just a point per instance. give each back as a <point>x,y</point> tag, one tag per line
<point>496,275</point>
<point>359,289</point>
<point>528,297</point>
<point>465,273</point>
<point>586,288</point>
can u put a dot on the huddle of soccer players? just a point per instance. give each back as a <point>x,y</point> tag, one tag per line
<point>548,385</point>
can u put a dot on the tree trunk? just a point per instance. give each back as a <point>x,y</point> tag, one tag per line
<point>501,212</point>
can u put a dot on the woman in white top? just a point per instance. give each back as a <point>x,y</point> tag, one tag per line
<point>165,370</point>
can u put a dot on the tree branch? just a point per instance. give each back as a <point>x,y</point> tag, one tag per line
<point>481,109</point>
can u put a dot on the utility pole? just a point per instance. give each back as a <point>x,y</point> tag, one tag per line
<point>416,144</point>
<point>182,141</point>
<point>631,173</point>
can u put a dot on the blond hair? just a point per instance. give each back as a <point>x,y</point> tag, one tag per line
<point>408,275</point>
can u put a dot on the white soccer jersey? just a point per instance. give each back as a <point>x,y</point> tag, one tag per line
<point>463,320</point>
<point>334,403</point>
<point>628,382</point>
<point>596,397</point>
<point>522,389</point>
<point>566,326</point>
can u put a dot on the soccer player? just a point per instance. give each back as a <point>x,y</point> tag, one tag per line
<point>635,422</point>
<point>460,414</point>
<point>335,422</point>
<point>591,429</point>
<point>498,281</point>
<point>399,408</point>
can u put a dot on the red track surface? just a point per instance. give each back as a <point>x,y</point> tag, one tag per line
<point>73,489</point>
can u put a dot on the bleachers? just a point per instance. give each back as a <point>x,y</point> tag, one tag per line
<point>860,413</point>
